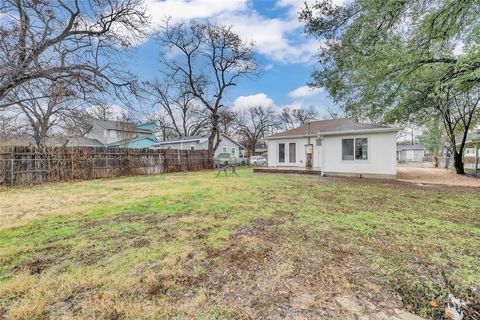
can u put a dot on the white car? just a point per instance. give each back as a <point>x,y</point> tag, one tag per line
<point>258,161</point>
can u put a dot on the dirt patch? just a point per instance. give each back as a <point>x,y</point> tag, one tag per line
<point>264,279</point>
<point>436,177</point>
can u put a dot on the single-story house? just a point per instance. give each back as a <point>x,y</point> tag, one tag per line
<point>337,147</point>
<point>410,152</point>
<point>200,142</point>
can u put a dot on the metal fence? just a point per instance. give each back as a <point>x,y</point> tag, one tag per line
<point>28,165</point>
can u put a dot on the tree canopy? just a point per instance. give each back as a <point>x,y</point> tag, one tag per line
<point>401,61</point>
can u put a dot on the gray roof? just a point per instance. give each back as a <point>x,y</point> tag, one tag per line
<point>192,138</point>
<point>416,146</point>
<point>116,125</point>
<point>324,126</point>
<point>83,142</point>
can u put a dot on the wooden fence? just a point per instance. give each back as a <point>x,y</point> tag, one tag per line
<point>32,165</point>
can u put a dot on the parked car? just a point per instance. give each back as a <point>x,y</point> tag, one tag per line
<point>258,161</point>
<point>226,159</point>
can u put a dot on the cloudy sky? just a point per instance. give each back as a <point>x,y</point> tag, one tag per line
<point>286,55</point>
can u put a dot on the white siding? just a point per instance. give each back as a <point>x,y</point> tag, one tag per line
<point>228,144</point>
<point>299,152</point>
<point>382,149</point>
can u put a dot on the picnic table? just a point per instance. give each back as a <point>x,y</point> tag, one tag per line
<point>233,171</point>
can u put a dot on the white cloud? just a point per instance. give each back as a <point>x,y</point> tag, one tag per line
<point>255,100</point>
<point>280,39</point>
<point>192,9</point>
<point>304,91</point>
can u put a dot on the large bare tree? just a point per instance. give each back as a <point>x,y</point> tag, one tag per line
<point>182,112</point>
<point>41,115</point>
<point>291,118</point>
<point>76,41</point>
<point>208,60</point>
<point>254,125</point>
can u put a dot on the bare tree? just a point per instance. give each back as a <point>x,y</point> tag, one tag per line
<point>208,60</point>
<point>70,40</point>
<point>229,122</point>
<point>292,118</point>
<point>254,126</point>
<point>185,116</point>
<point>9,125</point>
<point>42,114</point>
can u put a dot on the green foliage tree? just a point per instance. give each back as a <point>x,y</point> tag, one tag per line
<point>433,139</point>
<point>401,61</point>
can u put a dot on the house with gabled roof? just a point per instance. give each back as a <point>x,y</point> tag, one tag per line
<point>200,142</point>
<point>116,134</point>
<point>337,147</point>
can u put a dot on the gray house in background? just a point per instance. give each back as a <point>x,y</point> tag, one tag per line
<point>227,144</point>
<point>410,152</point>
<point>115,134</point>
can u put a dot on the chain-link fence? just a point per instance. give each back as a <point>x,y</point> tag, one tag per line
<point>443,162</point>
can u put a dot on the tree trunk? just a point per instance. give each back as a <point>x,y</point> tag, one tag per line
<point>436,158</point>
<point>212,144</point>
<point>458,163</point>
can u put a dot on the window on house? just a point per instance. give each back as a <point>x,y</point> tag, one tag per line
<point>347,149</point>
<point>192,148</point>
<point>281,152</point>
<point>233,151</point>
<point>355,149</point>
<point>361,149</point>
<point>113,134</point>
<point>291,152</point>
<point>319,142</point>
<point>224,149</point>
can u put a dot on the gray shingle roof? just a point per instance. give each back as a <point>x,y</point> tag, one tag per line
<point>116,125</point>
<point>333,125</point>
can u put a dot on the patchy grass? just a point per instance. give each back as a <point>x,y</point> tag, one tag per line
<point>255,246</point>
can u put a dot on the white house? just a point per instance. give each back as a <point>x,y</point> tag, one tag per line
<point>227,144</point>
<point>410,152</point>
<point>337,147</point>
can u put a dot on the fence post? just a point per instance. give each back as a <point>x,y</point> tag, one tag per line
<point>93,167</point>
<point>12,173</point>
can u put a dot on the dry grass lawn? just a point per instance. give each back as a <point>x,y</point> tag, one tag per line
<point>192,245</point>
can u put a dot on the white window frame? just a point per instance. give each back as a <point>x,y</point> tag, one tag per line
<point>294,153</point>
<point>233,152</point>
<point>285,144</point>
<point>224,149</point>
<point>354,144</point>
<point>113,134</point>
<point>192,147</point>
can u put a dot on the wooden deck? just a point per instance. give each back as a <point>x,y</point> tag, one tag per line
<point>293,170</point>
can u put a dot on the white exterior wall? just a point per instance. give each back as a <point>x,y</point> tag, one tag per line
<point>300,152</point>
<point>186,145</point>
<point>382,148</point>
<point>228,144</point>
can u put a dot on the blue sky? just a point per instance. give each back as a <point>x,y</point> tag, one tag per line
<point>285,54</point>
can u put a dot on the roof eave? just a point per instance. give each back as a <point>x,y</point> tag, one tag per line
<point>359,131</point>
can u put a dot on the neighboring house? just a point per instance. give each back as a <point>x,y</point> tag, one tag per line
<point>410,152</point>
<point>337,147</point>
<point>227,144</point>
<point>263,151</point>
<point>116,134</point>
